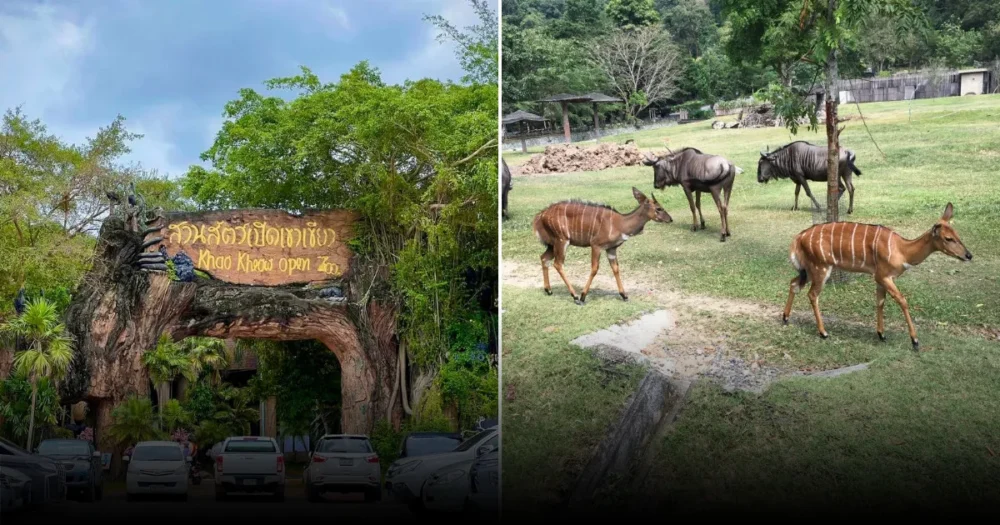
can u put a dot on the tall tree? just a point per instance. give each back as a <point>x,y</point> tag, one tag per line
<point>642,65</point>
<point>49,352</point>
<point>632,14</point>
<point>167,362</point>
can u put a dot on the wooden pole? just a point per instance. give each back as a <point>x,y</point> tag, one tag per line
<point>597,127</point>
<point>565,113</point>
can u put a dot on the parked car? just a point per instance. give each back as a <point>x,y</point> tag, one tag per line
<point>446,489</point>
<point>15,489</point>
<point>157,468</point>
<point>250,464</point>
<point>48,479</point>
<point>426,443</point>
<point>84,473</point>
<point>343,463</point>
<point>405,478</point>
<point>484,485</point>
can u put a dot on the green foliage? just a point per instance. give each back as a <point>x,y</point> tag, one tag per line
<point>956,47</point>
<point>630,14</point>
<point>134,420</point>
<point>15,407</point>
<point>53,198</point>
<point>692,25</point>
<point>201,401</point>
<point>168,361</point>
<point>49,348</point>
<point>468,381</point>
<point>304,376</point>
<point>415,160</point>
<point>695,111</point>
<point>175,416</point>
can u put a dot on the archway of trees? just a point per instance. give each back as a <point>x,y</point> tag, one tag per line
<point>121,308</point>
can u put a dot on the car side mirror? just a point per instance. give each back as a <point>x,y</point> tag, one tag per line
<point>485,449</point>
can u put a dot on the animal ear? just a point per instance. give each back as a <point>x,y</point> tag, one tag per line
<point>949,210</point>
<point>653,195</point>
<point>936,230</point>
<point>638,195</point>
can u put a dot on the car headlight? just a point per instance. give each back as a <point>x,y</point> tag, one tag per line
<point>447,478</point>
<point>404,468</point>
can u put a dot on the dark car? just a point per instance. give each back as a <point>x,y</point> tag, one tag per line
<point>48,478</point>
<point>484,485</point>
<point>426,443</point>
<point>84,472</point>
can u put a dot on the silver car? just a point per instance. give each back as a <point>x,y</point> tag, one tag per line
<point>343,463</point>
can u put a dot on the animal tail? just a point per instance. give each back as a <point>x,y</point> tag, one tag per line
<point>803,277</point>
<point>850,161</point>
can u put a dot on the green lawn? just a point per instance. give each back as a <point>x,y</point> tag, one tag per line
<point>892,416</point>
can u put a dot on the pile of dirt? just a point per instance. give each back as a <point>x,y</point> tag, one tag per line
<point>758,117</point>
<point>563,158</point>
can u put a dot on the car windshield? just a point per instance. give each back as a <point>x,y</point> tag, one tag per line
<point>345,444</point>
<point>250,446</point>
<point>473,441</point>
<point>157,453</point>
<point>11,449</point>
<point>426,445</point>
<point>64,447</point>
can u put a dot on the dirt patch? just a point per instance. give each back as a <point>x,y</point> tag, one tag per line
<point>564,158</point>
<point>681,340</point>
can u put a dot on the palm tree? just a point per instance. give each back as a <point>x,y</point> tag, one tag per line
<point>133,421</point>
<point>50,348</point>
<point>212,355</point>
<point>237,413</point>
<point>165,363</point>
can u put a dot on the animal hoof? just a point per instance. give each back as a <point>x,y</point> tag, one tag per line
<point>784,320</point>
<point>723,239</point>
<point>624,297</point>
<point>824,335</point>
<point>916,346</point>
<point>548,292</point>
<point>881,336</point>
<point>702,226</point>
<point>694,228</point>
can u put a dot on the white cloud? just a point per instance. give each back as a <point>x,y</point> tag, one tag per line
<point>434,58</point>
<point>41,50</point>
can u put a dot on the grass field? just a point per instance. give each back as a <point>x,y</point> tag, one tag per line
<point>854,435</point>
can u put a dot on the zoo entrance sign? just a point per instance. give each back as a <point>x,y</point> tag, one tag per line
<point>262,247</point>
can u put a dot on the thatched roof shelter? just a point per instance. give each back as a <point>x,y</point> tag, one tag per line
<point>565,99</point>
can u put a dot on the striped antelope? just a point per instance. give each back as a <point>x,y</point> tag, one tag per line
<point>871,249</point>
<point>598,226</point>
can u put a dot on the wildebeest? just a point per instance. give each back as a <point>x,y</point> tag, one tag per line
<point>598,226</point>
<point>803,162</point>
<point>506,186</point>
<point>697,172</point>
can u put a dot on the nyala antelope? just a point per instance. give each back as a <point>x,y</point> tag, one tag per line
<point>871,249</point>
<point>598,226</point>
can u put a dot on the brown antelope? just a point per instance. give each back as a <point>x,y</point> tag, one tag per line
<point>871,249</point>
<point>598,226</point>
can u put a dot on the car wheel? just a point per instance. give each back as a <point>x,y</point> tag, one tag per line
<point>416,506</point>
<point>26,498</point>
<point>184,497</point>
<point>279,495</point>
<point>220,494</point>
<point>100,491</point>
<point>129,497</point>
<point>90,493</point>
<point>312,494</point>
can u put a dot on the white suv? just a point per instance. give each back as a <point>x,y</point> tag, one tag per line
<point>343,463</point>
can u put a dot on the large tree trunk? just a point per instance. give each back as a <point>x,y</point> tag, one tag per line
<point>118,313</point>
<point>833,148</point>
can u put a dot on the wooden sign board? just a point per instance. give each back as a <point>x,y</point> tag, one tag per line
<point>262,247</point>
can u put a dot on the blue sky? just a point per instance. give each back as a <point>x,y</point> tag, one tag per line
<point>169,66</point>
